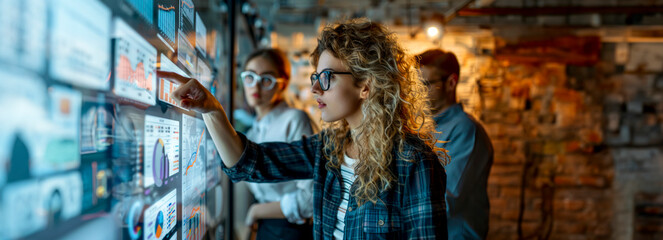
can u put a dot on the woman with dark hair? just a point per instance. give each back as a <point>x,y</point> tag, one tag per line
<point>282,207</point>
<point>377,172</point>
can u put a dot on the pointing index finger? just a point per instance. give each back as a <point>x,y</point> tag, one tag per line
<point>173,76</point>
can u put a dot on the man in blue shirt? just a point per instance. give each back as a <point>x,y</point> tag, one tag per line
<point>468,144</point>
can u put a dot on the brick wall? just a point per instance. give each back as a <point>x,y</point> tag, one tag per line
<point>574,146</point>
<point>551,177</point>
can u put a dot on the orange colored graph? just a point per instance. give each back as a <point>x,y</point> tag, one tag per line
<point>195,229</point>
<point>187,4</point>
<point>165,91</point>
<point>136,76</point>
<point>194,211</point>
<point>166,8</point>
<point>195,154</point>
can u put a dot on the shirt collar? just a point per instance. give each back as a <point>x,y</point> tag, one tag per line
<point>451,111</point>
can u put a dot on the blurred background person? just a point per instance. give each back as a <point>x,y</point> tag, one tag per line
<point>282,208</point>
<point>468,144</point>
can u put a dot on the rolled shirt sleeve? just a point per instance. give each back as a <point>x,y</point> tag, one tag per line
<point>298,205</point>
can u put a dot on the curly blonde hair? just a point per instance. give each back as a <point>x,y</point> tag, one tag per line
<point>395,108</point>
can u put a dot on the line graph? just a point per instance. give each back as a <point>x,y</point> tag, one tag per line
<point>186,17</point>
<point>194,155</point>
<point>166,8</point>
<point>186,36</point>
<point>135,65</point>
<point>193,177</point>
<point>134,75</point>
<point>166,22</point>
<point>194,224</point>
<point>187,4</point>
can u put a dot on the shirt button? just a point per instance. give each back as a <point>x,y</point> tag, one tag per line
<point>380,222</point>
<point>350,209</point>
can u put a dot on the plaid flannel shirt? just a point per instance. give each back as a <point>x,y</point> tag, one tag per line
<point>413,208</point>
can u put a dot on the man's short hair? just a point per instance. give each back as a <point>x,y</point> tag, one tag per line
<point>446,62</point>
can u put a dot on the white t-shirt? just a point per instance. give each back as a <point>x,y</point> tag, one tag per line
<point>348,175</point>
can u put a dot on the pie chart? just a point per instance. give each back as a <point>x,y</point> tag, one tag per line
<point>133,220</point>
<point>159,163</point>
<point>158,225</point>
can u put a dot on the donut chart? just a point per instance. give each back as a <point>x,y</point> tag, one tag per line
<point>133,220</point>
<point>160,163</point>
<point>161,158</point>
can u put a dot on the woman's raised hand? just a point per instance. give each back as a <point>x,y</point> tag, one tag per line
<point>191,94</point>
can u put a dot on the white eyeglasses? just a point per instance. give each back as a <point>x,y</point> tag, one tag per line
<point>250,79</point>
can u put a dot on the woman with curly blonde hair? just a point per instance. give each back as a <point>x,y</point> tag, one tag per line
<point>376,170</point>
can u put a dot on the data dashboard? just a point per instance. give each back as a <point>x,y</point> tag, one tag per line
<point>89,132</point>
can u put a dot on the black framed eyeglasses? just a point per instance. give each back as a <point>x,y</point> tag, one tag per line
<point>435,81</point>
<point>323,78</point>
<point>251,79</point>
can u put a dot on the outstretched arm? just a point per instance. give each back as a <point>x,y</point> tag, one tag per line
<point>193,95</point>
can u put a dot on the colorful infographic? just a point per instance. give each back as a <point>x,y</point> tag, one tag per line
<point>167,18</point>
<point>187,36</point>
<point>166,87</point>
<point>162,150</point>
<point>193,177</point>
<point>135,65</point>
<point>161,217</point>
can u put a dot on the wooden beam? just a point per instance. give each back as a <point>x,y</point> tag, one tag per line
<point>558,10</point>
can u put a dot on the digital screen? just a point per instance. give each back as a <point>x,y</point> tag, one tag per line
<point>61,197</point>
<point>61,147</point>
<point>161,218</point>
<point>162,150</point>
<point>145,9</point>
<point>23,97</point>
<point>96,125</point>
<point>134,219</point>
<point>92,144</point>
<point>204,75</point>
<point>193,177</point>
<point>80,43</point>
<point>166,87</point>
<point>213,165</point>
<point>167,17</point>
<point>23,31</point>
<point>96,184</point>
<point>186,54</point>
<point>21,203</point>
<point>34,204</point>
<point>135,65</point>
<point>201,35</point>
<point>214,203</point>
<point>185,51</point>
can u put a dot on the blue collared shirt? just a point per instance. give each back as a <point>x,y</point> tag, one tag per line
<point>413,208</point>
<point>471,155</point>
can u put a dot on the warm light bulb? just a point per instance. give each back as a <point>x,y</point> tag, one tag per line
<point>433,31</point>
